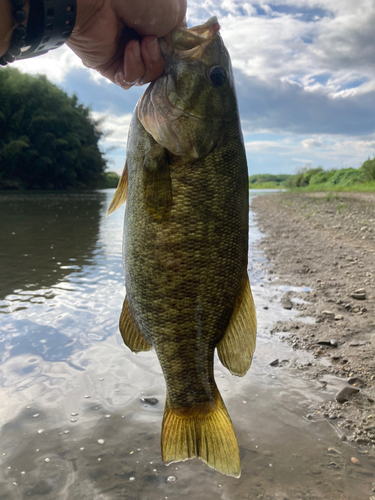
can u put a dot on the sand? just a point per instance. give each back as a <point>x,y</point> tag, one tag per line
<point>327,242</point>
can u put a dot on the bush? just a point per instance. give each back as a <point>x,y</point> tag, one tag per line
<point>368,170</point>
<point>345,177</point>
<point>321,177</point>
<point>48,140</point>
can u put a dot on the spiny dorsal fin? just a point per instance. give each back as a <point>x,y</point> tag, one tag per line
<point>131,336</point>
<point>121,192</point>
<point>237,347</point>
<point>206,433</point>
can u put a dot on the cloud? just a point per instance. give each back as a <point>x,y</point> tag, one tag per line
<point>305,75</point>
<point>116,126</point>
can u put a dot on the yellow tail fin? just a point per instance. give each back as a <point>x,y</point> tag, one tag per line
<point>204,432</point>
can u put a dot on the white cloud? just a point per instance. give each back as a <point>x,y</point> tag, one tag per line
<point>116,126</point>
<point>56,65</point>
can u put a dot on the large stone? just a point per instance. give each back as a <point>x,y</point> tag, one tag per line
<point>346,393</point>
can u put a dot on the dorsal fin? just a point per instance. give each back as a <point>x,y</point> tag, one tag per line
<point>121,192</point>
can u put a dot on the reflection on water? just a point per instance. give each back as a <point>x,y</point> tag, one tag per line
<point>73,422</point>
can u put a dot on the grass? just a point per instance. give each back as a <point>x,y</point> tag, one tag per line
<point>366,187</point>
<point>265,185</point>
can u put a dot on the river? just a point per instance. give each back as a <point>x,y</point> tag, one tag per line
<point>74,424</point>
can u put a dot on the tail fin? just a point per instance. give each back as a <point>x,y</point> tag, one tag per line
<point>206,433</point>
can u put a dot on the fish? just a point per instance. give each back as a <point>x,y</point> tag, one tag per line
<point>185,251</point>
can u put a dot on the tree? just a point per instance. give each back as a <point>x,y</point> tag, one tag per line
<point>48,140</point>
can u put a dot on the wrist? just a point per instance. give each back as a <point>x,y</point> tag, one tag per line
<point>49,25</point>
<point>8,23</point>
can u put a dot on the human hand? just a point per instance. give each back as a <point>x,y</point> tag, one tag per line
<point>118,38</point>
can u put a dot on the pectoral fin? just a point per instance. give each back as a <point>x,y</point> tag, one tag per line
<point>157,185</point>
<point>131,336</point>
<point>121,192</point>
<point>237,347</point>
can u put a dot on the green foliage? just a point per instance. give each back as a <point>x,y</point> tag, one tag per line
<point>267,181</point>
<point>110,180</point>
<point>368,170</point>
<point>345,179</point>
<point>321,177</point>
<point>47,139</point>
<point>303,176</point>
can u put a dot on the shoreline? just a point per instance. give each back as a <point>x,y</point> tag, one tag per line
<point>326,242</point>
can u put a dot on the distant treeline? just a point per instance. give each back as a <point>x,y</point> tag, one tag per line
<point>48,140</point>
<point>318,179</point>
<point>268,181</point>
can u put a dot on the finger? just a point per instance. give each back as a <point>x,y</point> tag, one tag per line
<point>133,68</point>
<point>153,61</point>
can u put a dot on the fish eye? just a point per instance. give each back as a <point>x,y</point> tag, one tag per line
<point>217,76</point>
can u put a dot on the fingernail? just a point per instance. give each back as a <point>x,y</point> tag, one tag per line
<point>153,49</point>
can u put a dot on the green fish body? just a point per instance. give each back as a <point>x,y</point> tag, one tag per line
<point>186,242</point>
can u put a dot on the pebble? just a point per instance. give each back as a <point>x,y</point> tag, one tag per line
<point>275,362</point>
<point>359,294</point>
<point>355,460</point>
<point>328,313</point>
<point>345,393</point>
<point>355,380</point>
<point>171,479</point>
<point>338,317</point>
<point>150,401</point>
<point>47,460</point>
<point>101,441</point>
<point>286,303</point>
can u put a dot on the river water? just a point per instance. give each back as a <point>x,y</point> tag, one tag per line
<point>73,423</point>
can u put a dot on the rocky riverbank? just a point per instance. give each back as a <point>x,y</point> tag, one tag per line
<point>327,242</point>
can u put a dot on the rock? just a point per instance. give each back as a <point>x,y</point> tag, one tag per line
<point>330,343</point>
<point>345,393</point>
<point>338,317</point>
<point>333,450</point>
<point>359,294</point>
<point>355,380</point>
<point>286,303</point>
<point>275,362</point>
<point>355,461</point>
<point>150,401</point>
<point>331,314</point>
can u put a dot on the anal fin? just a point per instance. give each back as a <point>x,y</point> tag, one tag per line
<point>237,347</point>
<point>130,333</point>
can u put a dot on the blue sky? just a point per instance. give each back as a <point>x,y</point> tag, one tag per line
<point>305,77</point>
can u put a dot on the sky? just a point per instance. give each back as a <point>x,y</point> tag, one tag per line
<point>304,73</point>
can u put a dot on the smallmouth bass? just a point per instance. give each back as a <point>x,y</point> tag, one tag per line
<point>185,182</point>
